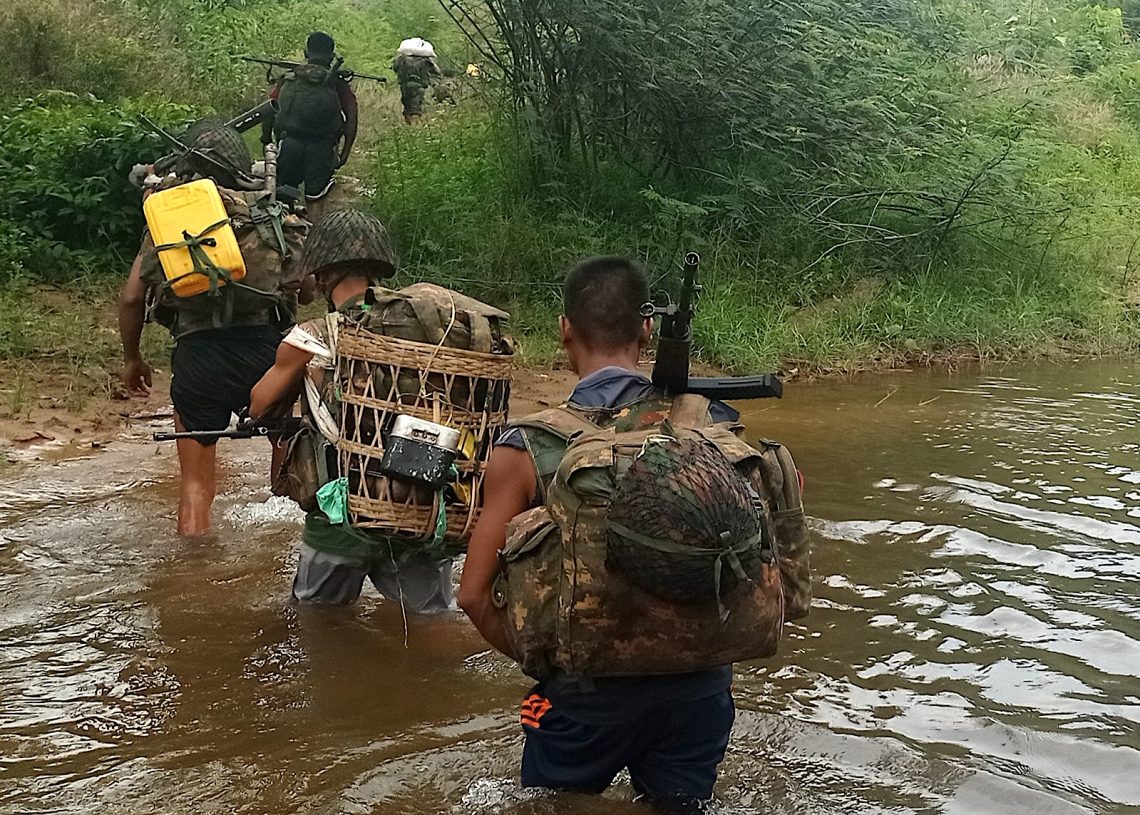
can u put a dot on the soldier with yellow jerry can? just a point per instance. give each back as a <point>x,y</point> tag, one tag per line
<point>632,547</point>
<point>402,391</point>
<point>219,268</point>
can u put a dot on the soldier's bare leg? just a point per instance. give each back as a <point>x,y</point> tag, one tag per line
<point>198,483</point>
<point>315,207</point>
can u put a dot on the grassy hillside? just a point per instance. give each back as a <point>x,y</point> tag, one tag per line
<point>866,181</point>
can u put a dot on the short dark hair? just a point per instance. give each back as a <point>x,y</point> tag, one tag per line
<point>320,45</point>
<point>602,299</point>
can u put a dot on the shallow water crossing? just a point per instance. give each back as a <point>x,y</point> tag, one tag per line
<point>974,646</point>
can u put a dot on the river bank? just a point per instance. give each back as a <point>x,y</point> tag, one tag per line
<point>60,350</point>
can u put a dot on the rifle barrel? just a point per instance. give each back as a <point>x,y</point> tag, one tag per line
<point>346,74</point>
<point>279,427</point>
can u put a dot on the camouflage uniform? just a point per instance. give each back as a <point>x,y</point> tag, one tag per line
<point>415,75</point>
<point>226,340</point>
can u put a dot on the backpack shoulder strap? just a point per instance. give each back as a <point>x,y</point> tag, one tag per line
<point>689,410</point>
<point>547,434</point>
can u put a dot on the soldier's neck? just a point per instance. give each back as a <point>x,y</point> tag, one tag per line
<point>346,290</point>
<point>587,361</point>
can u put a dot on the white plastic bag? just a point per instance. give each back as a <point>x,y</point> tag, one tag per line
<point>416,47</point>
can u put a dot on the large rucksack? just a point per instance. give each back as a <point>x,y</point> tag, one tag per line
<point>270,245</point>
<point>594,587</point>
<point>309,103</point>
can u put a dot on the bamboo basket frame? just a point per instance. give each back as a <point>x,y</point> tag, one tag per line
<point>366,361</point>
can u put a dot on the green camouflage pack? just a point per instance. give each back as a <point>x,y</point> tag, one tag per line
<point>309,104</point>
<point>572,611</point>
<point>266,295</point>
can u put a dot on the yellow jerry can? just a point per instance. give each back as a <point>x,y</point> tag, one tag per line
<point>193,213</point>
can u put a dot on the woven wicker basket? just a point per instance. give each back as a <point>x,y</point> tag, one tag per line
<point>381,377</point>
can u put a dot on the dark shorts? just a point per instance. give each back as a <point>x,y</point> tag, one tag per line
<point>214,371</point>
<point>307,162</point>
<point>672,751</point>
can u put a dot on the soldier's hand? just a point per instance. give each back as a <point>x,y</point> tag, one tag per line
<point>341,160</point>
<point>138,377</point>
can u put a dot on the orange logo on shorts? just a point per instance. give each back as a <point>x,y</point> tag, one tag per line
<point>534,707</point>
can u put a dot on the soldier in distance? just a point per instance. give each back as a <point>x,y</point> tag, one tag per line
<point>316,123</point>
<point>416,70</point>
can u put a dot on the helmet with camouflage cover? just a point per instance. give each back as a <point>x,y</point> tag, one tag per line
<point>219,152</point>
<point>684,524</point>
<point>348,241</point>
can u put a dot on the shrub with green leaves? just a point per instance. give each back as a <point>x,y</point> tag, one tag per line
<point>64,161</point>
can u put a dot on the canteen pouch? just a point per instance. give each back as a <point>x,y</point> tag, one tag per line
<point>420,452</point>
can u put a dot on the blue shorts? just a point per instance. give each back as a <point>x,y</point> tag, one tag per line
<point>672,751</point>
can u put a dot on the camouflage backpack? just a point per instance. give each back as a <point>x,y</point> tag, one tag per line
<point>309,103</point>
<point>664,544</point>
<point>267,295</point>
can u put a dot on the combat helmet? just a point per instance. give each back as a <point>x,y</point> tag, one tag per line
<point>348,240</point>
<point>684,525</point>
<point>219,152</point>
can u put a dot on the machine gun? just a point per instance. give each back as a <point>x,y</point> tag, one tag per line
<point>245,429</point>
<point>674,344</point>
<point>344,74</point>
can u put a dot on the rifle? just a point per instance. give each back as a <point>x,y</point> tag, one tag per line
<point>245,429</point>
<point>344,74</point>
<point>674,343</point>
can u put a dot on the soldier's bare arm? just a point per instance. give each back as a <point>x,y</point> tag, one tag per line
<point>351,123</point>
<point>137,374</point>
<point>508,490</point>
<point>276,392</point>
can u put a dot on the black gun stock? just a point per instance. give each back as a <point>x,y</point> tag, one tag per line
<point>254,116</point>
<point>245,429</point>
<point>674,346</point>
<point>761,386</point>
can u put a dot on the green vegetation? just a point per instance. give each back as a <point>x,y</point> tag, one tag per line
<point>866,181</point>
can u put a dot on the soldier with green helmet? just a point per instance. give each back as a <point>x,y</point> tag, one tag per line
<point>224,339</point>
<point>347,253</point>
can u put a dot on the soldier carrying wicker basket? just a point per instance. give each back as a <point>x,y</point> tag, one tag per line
<point>402,392</point>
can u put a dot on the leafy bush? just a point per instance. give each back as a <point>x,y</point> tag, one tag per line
<point>82,46</point>
<point>64,160</point>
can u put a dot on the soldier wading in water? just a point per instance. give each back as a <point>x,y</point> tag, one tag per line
<point>226,339</point>
<point>648,531</point>
<point>347,253</point>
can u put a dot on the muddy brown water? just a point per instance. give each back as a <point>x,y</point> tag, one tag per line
<point>974,647</point>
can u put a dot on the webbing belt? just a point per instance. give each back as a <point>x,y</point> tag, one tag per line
<point>203,264</point>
